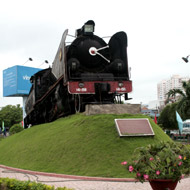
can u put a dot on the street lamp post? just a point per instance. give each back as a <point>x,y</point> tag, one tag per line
<point>186,59</point>
<point>29,59</point>
<point>44,62</point>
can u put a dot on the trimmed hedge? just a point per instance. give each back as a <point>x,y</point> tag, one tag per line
<point>14,184</point>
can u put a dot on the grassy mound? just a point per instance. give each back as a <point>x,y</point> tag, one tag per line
<point>77,145</point>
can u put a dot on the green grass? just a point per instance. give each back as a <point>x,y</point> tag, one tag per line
<point>77,145</point>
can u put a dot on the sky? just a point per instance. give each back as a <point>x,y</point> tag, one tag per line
<point>158,36</point>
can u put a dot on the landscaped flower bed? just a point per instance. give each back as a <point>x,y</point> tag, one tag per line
<point>12,184</point>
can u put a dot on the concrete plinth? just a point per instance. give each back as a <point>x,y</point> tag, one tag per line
<point>113,109</point>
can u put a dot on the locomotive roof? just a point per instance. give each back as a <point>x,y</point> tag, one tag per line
<point>39,73</point>
<point>42,71</point>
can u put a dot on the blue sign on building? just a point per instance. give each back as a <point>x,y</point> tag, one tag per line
<point>16,80</point>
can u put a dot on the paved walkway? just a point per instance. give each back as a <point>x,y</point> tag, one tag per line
<point>80,182</point>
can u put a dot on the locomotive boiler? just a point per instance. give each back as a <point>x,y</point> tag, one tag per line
<point>88,71</point>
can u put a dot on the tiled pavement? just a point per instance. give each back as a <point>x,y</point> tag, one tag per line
<point>81,183</point>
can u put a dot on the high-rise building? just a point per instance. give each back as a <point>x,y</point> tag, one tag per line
<point>163,87</point>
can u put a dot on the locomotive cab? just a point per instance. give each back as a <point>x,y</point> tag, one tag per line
<point>41,82</point>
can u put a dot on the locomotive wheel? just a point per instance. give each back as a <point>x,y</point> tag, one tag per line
<point>77,103</point>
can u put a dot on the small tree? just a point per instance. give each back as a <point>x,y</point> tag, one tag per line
<point>10,115</point>
<point>16,128</point>
<point>183,106</point>
<point>167,117</point>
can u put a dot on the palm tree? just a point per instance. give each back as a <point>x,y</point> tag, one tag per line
<point>172,95</point>
<point>183,106</point>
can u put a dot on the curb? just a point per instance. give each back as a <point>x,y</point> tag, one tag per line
<point>85,178</point>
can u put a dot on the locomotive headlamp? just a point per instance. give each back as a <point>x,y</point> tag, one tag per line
<point>74,66</point>
<point>81,85</point>
<point>88,27</point>
<point>119,65</point>
<point>120,84</point>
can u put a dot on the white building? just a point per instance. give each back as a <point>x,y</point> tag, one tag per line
<point>175,82</point>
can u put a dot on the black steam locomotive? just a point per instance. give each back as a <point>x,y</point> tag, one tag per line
<point>88,71</point>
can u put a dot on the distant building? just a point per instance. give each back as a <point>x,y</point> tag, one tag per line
<point>175,82</point>
<point>149,112</point>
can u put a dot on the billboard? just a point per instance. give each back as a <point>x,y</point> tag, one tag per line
<point>16,80</point>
